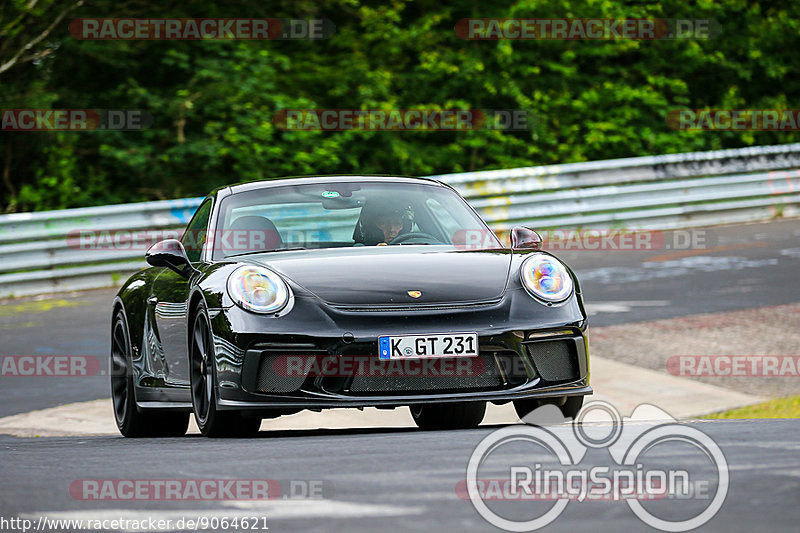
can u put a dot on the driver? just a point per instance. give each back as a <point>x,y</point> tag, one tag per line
<point>382,221</point>
<point>391,224</point>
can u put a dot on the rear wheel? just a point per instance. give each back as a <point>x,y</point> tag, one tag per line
<point>131,421</point>
<point>211,421</point>
<point>463,415</point>
<point>569,405</point>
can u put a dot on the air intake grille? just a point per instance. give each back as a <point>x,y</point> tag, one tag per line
<point>555,360</point>
<point>270,380</point>
<point>482,374</point>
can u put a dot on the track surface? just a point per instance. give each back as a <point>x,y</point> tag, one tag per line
<point>739,267</point>
<point>405,479</point>
<point>379,480</point>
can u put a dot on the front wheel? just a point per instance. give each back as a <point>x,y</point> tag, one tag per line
<point>131,421</point>
<point>211,421</point>
<point>465,415</point>
<point>570,406</point>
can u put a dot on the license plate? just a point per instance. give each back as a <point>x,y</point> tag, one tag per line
<point>426,346</point>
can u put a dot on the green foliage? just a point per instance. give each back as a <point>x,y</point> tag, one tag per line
<point>213,101</point>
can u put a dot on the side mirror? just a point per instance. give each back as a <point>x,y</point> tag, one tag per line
<point>171,254</point>
<point>525,239</point>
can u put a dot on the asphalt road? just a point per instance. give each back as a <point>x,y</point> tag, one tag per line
<point>733,267</point>
<point>382,479</point>
<point>404,479</point>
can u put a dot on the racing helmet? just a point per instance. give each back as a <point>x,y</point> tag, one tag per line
<point>367,230</point>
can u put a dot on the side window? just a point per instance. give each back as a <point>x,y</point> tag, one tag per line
<point>195,235</point>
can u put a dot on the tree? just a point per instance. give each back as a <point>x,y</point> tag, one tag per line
<point>213,102</point>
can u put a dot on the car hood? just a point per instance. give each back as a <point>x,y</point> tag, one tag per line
<point>383,275</point>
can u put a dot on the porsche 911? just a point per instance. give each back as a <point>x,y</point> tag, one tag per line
<point>343,291</point>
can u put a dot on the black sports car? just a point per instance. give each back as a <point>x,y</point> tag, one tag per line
<point>343,291</point>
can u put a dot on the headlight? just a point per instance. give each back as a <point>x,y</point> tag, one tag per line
<point>258,289</point>
<point>546,277</point>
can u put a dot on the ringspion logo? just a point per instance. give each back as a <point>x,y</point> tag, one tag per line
<point>537,470</point>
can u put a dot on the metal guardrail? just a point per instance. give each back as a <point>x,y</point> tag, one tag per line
<point>39,254</point>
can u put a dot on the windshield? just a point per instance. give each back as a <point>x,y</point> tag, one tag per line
<point>346,214</point>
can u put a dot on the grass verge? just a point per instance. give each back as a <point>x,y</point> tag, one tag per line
<point>788,407</point>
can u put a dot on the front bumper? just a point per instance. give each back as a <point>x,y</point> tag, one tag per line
<point>525,352</point>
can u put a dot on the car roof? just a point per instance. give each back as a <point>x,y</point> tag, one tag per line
<point>299,180</point>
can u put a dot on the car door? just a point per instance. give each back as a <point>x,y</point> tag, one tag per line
<point>169,302</point>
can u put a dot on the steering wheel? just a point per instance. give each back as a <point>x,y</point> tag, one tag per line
<point>403,237</point>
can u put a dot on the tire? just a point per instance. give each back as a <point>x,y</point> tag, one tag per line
<point>570,405</point>
<point>203,378</point>
<point>132,421</point>
<point>464,415</point>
